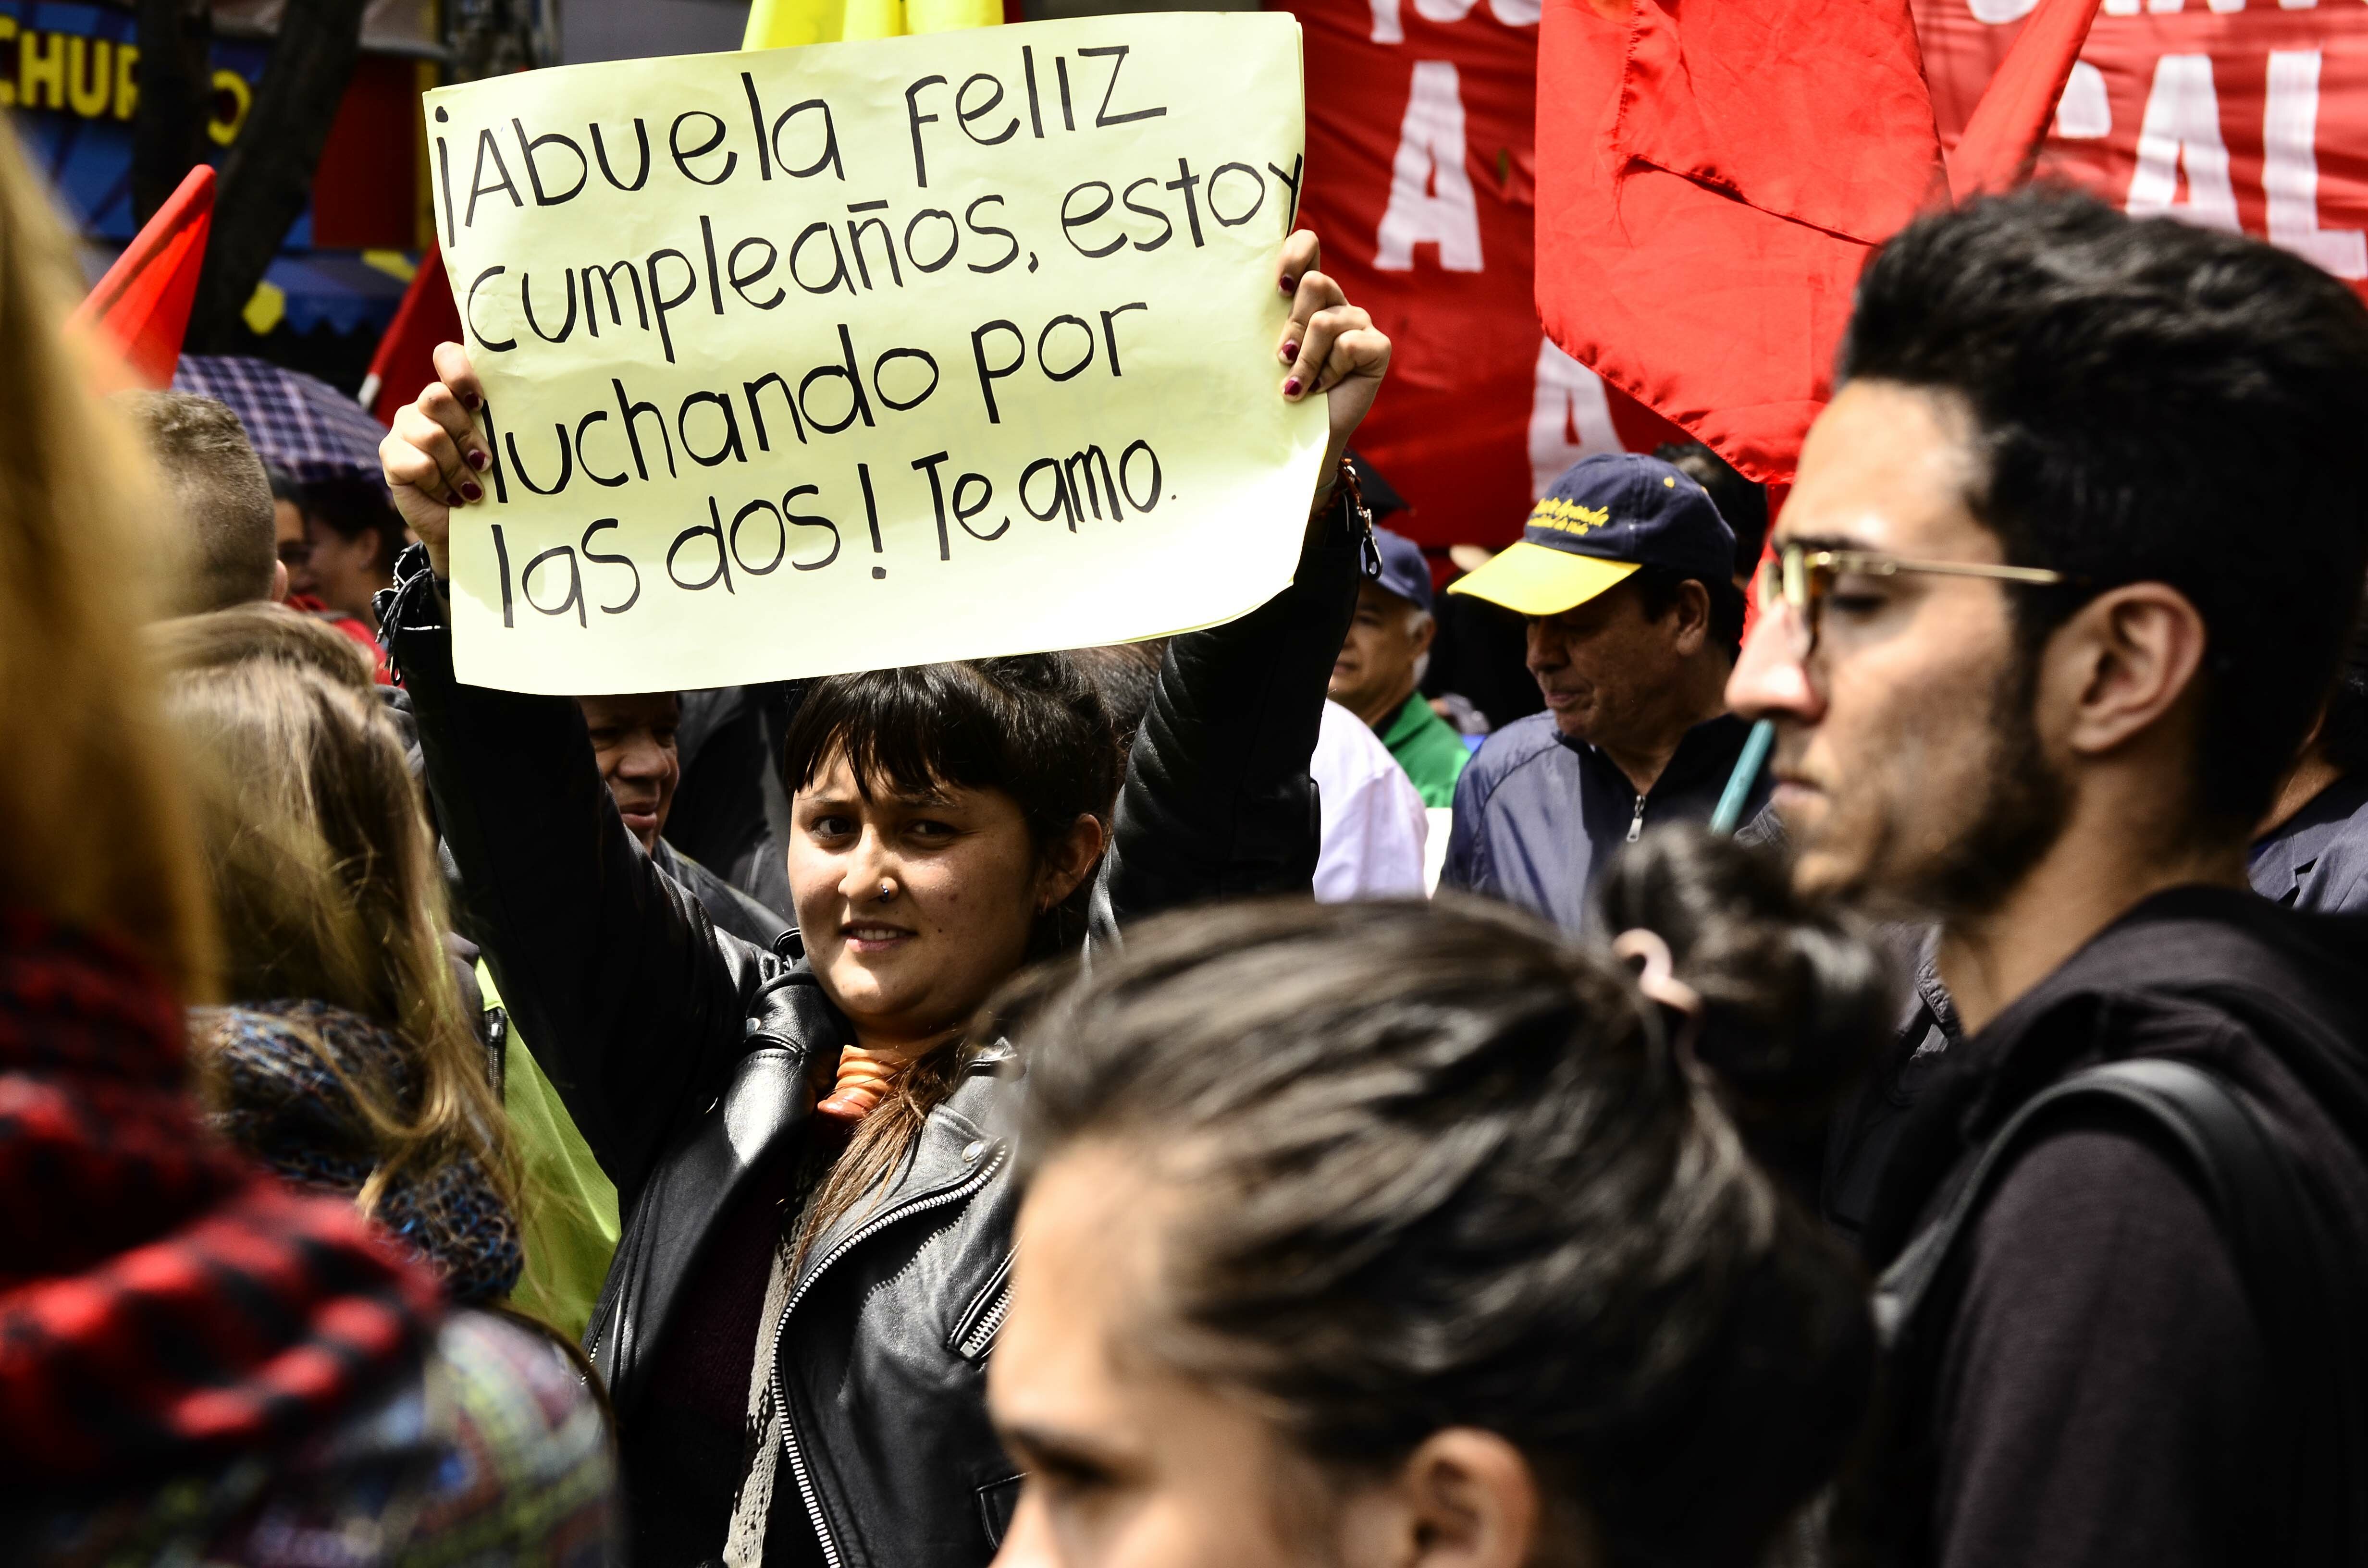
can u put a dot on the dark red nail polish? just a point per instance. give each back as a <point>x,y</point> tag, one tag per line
<point>1288,282</point>
<point>1290,387</point>
<point>1290,351</point>
<point>479,462</point>
<point>471,401</point>
<point>472,491</point>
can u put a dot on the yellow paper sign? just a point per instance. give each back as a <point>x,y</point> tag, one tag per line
<point>828,358</point>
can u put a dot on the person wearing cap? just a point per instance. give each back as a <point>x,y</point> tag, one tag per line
<point>1381,665</point>
<point>1626,573</point>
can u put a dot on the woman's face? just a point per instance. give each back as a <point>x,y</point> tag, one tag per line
<point>913,909</point>
<point>1131,1464</point>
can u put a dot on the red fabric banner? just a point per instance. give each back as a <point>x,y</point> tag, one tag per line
<point>1421,182</point>
<point>2246,115</point>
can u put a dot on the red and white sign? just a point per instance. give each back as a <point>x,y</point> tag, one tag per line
<point>1421,124</point>
<point>2244,115</point>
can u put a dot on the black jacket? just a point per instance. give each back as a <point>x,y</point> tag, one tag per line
<point>2089,1384</point>
<point>692,1060</point>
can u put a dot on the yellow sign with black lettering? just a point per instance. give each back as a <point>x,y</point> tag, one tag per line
<point>855,355</point>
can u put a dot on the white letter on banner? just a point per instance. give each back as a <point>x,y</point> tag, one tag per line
<point>2182,125</point>
<point>1430,152</point>
<point>1570,403</point>
<point>2290,169</point>
<point>1998,12</point>
<point>1387,28</point>
<point>2085,110</point>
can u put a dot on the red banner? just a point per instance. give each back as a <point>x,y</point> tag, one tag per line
<point>2246,115</point>
<point>1421,124</point>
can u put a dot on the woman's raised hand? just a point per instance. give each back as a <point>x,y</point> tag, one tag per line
<point>1330,346</point>
<point>436,455</point>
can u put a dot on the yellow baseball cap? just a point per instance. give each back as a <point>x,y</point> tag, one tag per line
<point>1603,518</point>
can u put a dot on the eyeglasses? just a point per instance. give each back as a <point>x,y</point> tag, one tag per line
<point>1803,579</point>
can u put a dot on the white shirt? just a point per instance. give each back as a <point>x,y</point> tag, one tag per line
<point>1374,827</point>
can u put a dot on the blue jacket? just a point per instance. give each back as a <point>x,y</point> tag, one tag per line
<point>2317,859</point>
<point>1538,815</point>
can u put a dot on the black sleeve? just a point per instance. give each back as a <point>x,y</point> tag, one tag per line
<point>2102,1385</point>
<point>1217,801</point>
<point>635,1005</point>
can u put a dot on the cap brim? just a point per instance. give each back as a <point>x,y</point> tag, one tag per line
<point>1535,580</point>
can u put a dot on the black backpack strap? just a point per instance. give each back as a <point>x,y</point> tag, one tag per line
<point>2301,1294</point>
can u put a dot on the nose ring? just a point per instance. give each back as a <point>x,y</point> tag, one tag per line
<point>887,891</point>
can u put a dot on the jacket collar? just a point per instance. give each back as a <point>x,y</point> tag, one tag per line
<point>1705,753</point>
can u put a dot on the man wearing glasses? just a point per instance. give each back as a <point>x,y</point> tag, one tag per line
<point>1625,574</point>
<point>2059,590</point>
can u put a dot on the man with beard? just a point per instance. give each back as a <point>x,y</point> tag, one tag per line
<point>2061,586</point>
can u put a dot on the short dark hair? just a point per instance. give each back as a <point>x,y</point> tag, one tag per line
<point>218,484</point>
<point>1451,1172</point>
<point>2343,735</point>
<point>2152,401</point>
<point>1741,502</point>
<point>347,507</point>
<point>1031,725</point>
<point>1656,591</point>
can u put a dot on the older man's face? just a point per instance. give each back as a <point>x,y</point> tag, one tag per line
<point>634,741</point>
<point>1376,670</point>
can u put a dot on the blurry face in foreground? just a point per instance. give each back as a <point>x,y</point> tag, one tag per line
<point>1906,763</point>
<point>1131,1464</point>
<point>914,908</point>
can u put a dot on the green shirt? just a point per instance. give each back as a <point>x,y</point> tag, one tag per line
<point>570,1224</point>
<point>1429,750</point>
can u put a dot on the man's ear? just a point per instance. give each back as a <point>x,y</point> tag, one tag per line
<point>1692,612</point>
<point>279,581</point>
<point>1426,632</point>
<point>1069,861</point>
<point>1465,1498</point>
<point>2121,663</point>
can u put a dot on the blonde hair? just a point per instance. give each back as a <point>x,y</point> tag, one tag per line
<point>326,889</point>
<point>261,631</point>
<point>97,823</point>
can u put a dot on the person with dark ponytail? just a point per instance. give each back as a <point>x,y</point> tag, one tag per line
<point>809,1155</point>
<point>1396,1235</point>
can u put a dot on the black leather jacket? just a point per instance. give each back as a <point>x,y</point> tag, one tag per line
<point>692,1059</point>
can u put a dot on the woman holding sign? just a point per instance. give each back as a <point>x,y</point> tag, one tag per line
<point>810,1155</point>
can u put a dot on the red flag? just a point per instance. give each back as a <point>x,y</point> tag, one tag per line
<point>141,309</point>
<point>406,361</point>
<point>1995,151</point>
<point>1711,178</point>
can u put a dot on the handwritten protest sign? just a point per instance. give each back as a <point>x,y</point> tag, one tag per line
<point>827,359</point>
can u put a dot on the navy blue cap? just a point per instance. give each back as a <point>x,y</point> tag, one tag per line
<point>1604,518</point>
<point>1403,571</point>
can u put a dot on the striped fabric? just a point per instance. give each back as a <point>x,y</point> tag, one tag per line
<point>162,1302</point>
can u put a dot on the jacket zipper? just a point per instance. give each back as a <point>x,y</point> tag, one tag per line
<point>976,1328</point>
<point>773,1366</point>
<point>1636,823</point>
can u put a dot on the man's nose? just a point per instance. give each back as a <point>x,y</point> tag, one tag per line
<point>1771,680</point>
<point>1544,651</point>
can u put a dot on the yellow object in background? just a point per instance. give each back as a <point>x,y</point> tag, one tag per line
<point>781,24</point>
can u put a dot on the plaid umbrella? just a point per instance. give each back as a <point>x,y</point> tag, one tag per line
<point>297,422</point>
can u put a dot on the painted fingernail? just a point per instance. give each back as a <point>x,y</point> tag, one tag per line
<point>471,401</point>
<point>1290,387</point>
<point>473,491</point>
<point>1288,282</point>
<point>1290,350</point>
<point>479,462</point>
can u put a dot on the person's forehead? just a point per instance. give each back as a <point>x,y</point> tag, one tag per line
<point>633,708</point>
<point>1886,468</point>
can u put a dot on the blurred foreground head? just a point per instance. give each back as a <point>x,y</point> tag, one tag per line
<point>1396,1234</point>
<point>94,812</point>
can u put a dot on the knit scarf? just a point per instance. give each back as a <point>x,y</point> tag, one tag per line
<point>282,1072</point>
<point>163,1304</point>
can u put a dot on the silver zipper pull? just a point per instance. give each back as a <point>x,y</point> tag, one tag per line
<point>1636,823</point>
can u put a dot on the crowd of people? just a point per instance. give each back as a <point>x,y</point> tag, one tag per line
<point>1033,1109</point>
